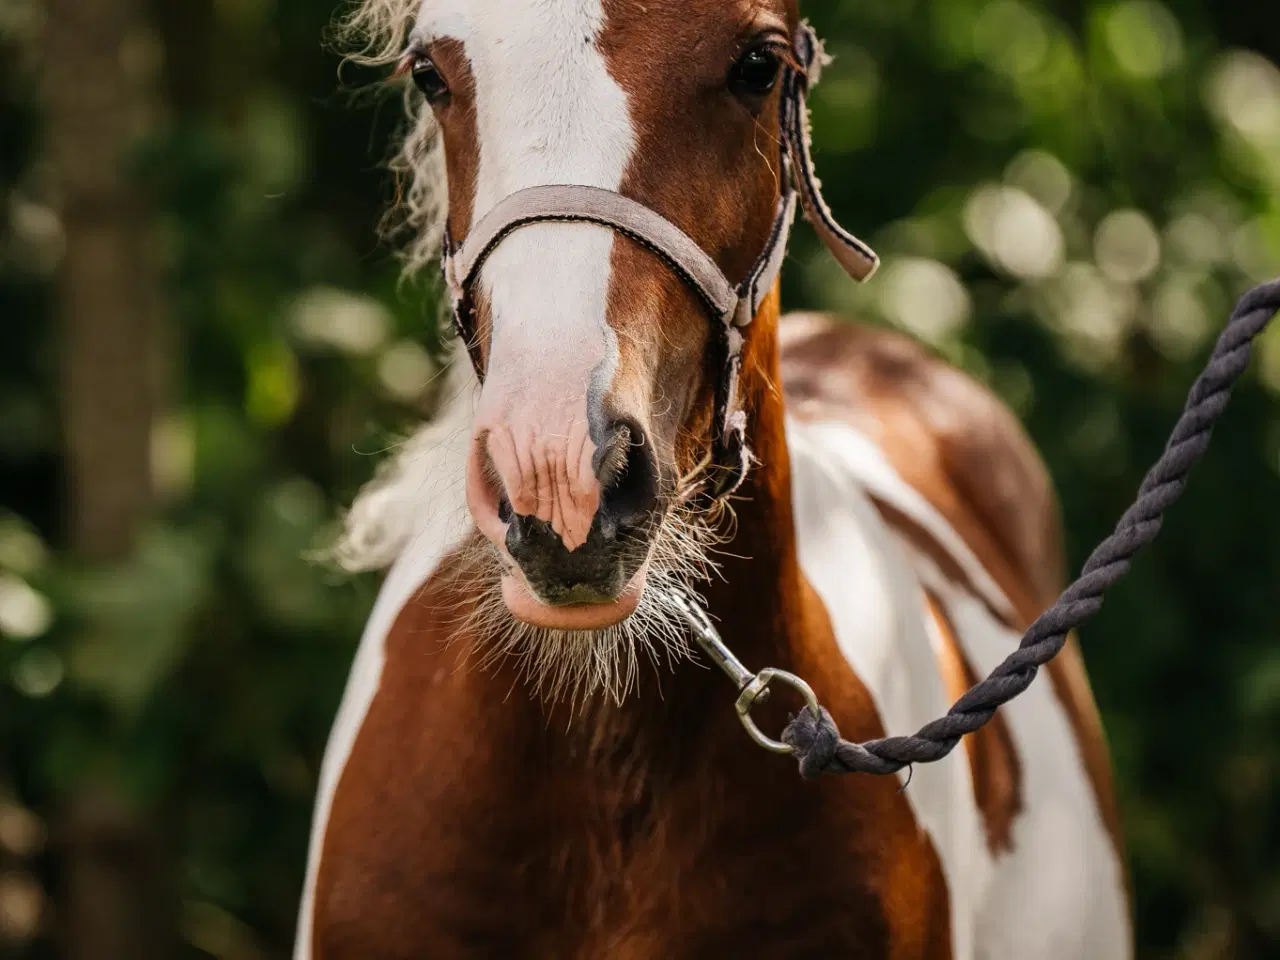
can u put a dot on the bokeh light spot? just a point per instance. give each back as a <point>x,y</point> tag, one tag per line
<point>405,370</point>
<point>1043,176</point>
<point>1144,37</point>
<point>1011,38</point>
<point>1244,92</point>
<point>925,297</point>
<point>1014,232</point>
<point>1127,246</point>
<point>24,612</point>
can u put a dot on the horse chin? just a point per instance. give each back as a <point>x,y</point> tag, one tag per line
<point>567,653</point>
<point>525,607</point>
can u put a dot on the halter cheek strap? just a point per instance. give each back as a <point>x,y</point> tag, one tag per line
<point>731,306</point>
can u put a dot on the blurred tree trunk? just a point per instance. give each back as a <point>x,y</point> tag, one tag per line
<point>115,897</point>
<point>108,293</point>
<point>190,31</point>
<point>112,899</point>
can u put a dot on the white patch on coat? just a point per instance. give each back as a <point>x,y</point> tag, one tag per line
<point>1059,893</point>
<point>873,600</point>
<point>547,112</point>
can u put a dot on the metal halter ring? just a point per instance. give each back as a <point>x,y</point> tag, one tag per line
<point>752,688</point>
<point>757,691</point>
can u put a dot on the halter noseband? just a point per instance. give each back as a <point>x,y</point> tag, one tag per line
<point>734,306</point>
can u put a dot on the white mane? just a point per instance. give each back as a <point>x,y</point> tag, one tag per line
<point>391,509</point>
<point>396,505</point>
<point>375,33</point>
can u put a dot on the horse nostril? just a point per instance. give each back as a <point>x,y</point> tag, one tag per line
<point>505,513</point>
<point>628,472</point>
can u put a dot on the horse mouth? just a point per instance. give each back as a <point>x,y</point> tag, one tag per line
<point>571,611</point>
<point>569,637</point>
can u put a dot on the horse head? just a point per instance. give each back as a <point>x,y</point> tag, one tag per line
<point>599,363</point>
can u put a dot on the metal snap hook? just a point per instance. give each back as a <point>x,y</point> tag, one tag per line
<point>752,688</point>
<point>757,691</point>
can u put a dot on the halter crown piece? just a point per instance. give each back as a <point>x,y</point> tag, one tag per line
<point>732,306</point>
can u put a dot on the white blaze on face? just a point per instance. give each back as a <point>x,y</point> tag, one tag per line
<point>547,112</point>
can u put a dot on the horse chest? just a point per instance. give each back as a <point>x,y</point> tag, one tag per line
<point>523,841</point>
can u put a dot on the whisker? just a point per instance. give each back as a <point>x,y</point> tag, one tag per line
<point>570,667</point>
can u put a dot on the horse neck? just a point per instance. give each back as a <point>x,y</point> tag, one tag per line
<point>758,599</point>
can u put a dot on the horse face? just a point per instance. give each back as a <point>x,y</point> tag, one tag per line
<point>598,393</point>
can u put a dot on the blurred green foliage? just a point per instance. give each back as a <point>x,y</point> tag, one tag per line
<point>1068,196</point>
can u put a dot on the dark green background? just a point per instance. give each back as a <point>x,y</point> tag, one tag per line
<point>160,733</point>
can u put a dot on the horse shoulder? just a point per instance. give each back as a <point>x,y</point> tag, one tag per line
<point>945,434</point>
<point>962,488</point>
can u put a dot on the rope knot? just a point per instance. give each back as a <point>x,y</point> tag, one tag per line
<point>814,740</point>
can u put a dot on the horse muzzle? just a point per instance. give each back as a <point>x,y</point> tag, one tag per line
<point>572,520</point>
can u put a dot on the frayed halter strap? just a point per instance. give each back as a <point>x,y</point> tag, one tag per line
<point>732,306</point>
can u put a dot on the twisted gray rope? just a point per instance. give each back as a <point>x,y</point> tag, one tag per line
<point>815,739</point>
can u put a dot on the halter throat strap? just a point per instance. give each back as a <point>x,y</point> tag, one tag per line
<point>731,306</point>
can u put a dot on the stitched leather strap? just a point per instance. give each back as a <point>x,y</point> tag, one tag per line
<point>858,260</point>
<point>566,203</point>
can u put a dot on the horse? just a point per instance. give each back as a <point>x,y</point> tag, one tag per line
<point>526,761</point>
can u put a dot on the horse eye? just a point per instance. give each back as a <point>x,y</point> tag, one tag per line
<point>755,73</point>
<point>429,80</point>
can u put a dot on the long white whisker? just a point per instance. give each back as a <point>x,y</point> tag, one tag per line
<point>570,666</point>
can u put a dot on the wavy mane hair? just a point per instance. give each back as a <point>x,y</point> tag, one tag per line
<point>374,33</point>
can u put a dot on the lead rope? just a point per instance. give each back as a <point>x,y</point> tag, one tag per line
<point>812,736</point>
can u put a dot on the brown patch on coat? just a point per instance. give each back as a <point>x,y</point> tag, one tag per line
<point>710,165</point>
<point>954,442</point>
<point>703,159</point>
<point>993,759</point>
<point>460,130</point>
<point>471,822</point>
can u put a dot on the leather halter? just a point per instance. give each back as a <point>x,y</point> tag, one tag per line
<point>731,306</point>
